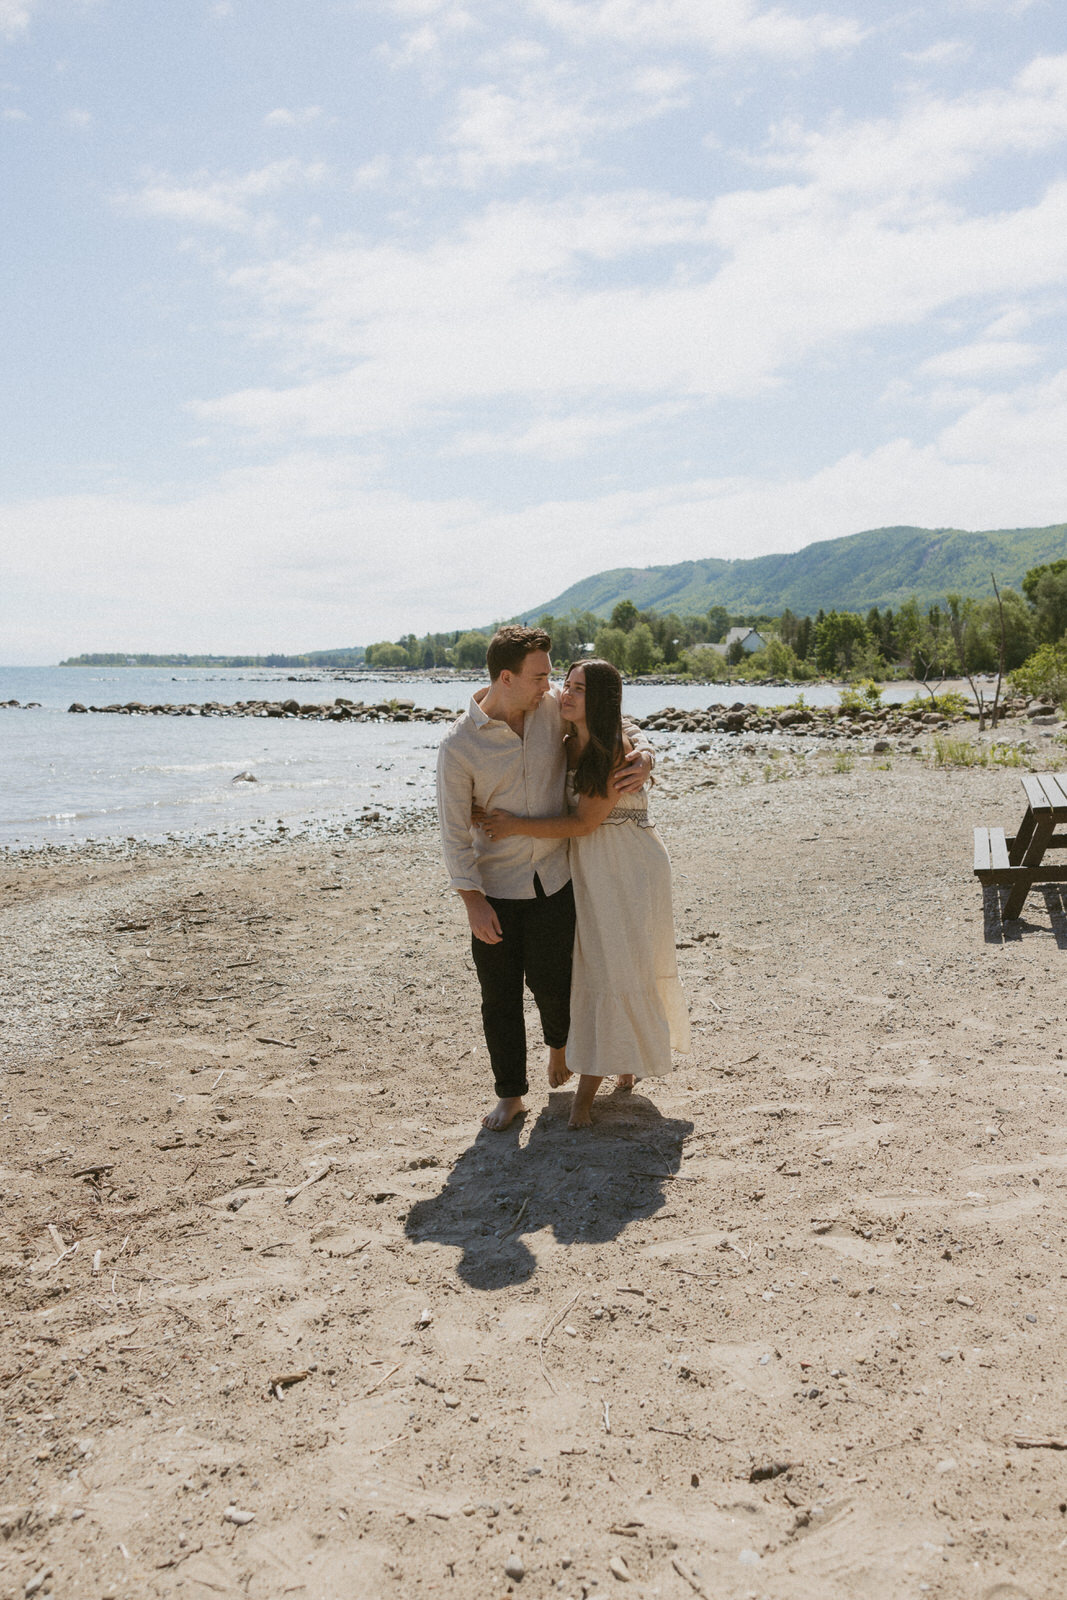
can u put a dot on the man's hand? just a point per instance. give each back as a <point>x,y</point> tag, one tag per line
<point>485,924</point>
<point>633,774</point>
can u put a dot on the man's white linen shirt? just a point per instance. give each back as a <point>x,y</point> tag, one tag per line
<point>484,761</point>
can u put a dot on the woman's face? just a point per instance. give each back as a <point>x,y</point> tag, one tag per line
<point>572,700</point>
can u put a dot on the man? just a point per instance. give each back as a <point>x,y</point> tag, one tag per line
<point>507,752</point>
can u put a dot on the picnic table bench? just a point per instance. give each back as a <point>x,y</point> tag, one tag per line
<point>1019,860</point>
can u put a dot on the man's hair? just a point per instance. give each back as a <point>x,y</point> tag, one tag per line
<point>509,647</point>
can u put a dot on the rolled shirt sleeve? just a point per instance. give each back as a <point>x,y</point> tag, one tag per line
<point>455,795</point>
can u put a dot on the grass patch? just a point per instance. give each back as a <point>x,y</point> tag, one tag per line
<point>1007,755</point>
<point>958,753</point>
<point>843,761</point>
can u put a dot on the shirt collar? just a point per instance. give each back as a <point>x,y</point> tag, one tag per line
<point>476,714</point>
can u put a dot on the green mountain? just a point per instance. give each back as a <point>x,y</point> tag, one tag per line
<point>881,567</point>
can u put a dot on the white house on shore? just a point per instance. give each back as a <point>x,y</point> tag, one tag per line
<point>749,640</point>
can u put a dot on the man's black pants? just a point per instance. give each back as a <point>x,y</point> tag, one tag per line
<point>536,949</point>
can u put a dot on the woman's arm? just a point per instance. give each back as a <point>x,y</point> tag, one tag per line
<point>592,809</point>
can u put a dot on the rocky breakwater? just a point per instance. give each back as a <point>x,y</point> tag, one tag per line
<point>824,722</point>
<point>339,710</point>
<point>827,722</point>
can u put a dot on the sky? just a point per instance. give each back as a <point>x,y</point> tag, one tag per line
<point>327,320</point>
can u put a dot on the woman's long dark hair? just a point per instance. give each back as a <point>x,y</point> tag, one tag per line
<point>603,718</point>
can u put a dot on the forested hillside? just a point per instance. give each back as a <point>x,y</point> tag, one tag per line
<point>882,567</point>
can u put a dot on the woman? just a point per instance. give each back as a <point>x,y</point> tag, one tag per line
<point>627,1006</point>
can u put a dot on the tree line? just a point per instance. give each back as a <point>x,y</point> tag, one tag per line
<point>961,635</point>
<point>313,658</point>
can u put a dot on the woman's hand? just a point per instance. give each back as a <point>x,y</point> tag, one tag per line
<point>498,824</point>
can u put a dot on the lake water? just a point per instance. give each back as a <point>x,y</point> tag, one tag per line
<point>65,778</point>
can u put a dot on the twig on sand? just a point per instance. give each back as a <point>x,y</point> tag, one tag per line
<point>518,1218</point>
<point>280,1381</point>
<point>547,1329</point>
<point>61,1257</point>
<point>376,1449</point>
<point>291,1194</point>
<point>690,1577</point>
<point>383,1379</point>
<point>285,1043</point>
<point>1024,1442</point>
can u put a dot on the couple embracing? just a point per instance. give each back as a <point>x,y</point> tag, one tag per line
<point>542,796</point>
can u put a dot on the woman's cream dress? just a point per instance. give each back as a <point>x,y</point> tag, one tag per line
<point>627,1006</point>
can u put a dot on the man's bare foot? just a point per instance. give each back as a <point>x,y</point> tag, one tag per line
<point>558,1071</point>
<point>625,1080</point>
<point>582,1110</point>
<point>503,1114</point>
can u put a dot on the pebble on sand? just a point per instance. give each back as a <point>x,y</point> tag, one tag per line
<point>239,1518</point>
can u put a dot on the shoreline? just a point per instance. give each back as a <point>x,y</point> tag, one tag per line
<point>697,740</point>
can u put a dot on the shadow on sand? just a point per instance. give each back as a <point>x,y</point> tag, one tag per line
<point>997,931</point>
<point>584,1185</point>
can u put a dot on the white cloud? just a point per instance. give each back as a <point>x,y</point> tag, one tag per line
<point>718,301</point>
<point>934,142</point>
<point>439,21</point>
<point>373,174</point>
<point>724,27</point>
<point>721,27</point>
<point>13,114</point>
<point>497,131</point>
<point>943,53</point>
<point>984,358</point>
<point>221,202</point>
<point>15,16</point>
<point>307,552</point>
<point>1013,320</point>
<point>80,120</point>
<point>283,117</point>
<point>1009,8</point>
<point>564,437</point>
<point>549,117</point>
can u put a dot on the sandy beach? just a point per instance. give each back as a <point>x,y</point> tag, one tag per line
<point>279,1319</point>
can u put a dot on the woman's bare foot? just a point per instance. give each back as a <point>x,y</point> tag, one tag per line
<point>558,1071</point>
<point>503,1114</point>
<point>582,1110</point>
<point>625,1080</point>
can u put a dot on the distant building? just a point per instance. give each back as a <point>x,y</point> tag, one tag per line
<point>749,640</point>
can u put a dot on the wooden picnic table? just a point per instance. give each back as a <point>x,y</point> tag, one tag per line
<point>1019,860</point>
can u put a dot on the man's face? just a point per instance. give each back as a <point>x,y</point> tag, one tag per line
<point>528,688</point>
